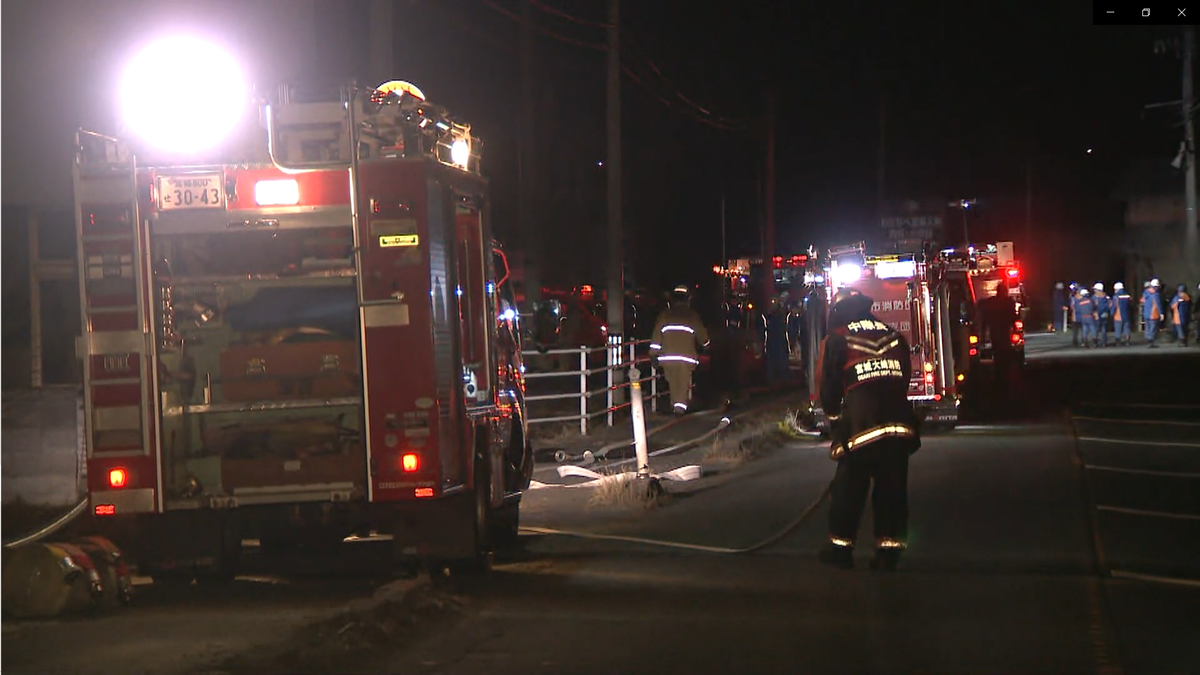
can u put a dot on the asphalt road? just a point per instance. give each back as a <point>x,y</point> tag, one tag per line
<point>1015,565</point>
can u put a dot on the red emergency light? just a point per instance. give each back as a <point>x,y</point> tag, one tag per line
<point>117,478</point>
<point>106,510</point>
<point>1013,273</point>
<point>778,260</point>
<point>410,462</point>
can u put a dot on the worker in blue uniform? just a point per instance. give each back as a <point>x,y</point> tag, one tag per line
<point>1103,314</point>
<point>1085,312</point>
<point>1122,312</point>
<point>1181,314</point>
<point>1152,310</point>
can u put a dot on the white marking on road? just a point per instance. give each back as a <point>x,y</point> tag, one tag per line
<point>1142,472</point>
<point>1105,419</point>
<point>1194,583</point>
<point>1114,404</point>
<point>1120,441</point>
<point>1151,514</point>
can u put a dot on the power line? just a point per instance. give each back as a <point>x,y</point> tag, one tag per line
<point>543,31</point>
<point>692,109</point>
<point>563,15</point>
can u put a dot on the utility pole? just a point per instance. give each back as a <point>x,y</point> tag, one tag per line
<point>616,253</point>
<point>1028,205</point>
<point>881,187</point>
<point>723,254</point>
<point>769,201</point>
<point>379,41</point>
<point>528,223</point>
<point>1191,238</point>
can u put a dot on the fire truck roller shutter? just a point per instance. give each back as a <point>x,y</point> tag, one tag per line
<point>331,308</point>
<point>816,319</point>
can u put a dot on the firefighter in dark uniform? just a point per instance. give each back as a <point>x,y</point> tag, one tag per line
<point>677,334</point>
<point>865,368</point>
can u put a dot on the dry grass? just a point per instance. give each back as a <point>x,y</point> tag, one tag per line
<point>625,490</point>
<point>765,437</point>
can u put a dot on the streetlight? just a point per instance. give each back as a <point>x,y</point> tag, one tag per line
<point>965,205</point>
<point>182,94</point>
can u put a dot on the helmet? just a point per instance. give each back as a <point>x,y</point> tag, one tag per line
<point>1118,286</point>
<point>844,294</point>
<point>1146,285</point>
<point>1098,286</point>
<point>1156,283</point>
<point>1074,285</point>
<point>1059,286</point>
<point>1083,292</point>
<point>681,289</point>
<point>1182,288</point>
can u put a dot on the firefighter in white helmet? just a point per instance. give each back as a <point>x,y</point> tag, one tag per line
<point>677,335</point>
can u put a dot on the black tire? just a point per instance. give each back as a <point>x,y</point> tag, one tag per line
<point>480,563</point>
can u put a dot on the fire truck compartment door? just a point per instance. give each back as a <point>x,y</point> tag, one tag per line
<point>406,304</point>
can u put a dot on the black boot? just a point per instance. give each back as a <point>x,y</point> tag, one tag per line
<point>841,557</point>
<point>885,559</point>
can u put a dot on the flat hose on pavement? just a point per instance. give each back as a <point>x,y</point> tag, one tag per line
<point>765,543</point>
<point>51,528</point>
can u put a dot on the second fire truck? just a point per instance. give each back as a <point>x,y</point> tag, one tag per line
<point>911,296</point>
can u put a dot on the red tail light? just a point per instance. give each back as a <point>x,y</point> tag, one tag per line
<point>117,478</point>
<point>423,492</point>
<point>1016,338</point>
<point>974,352</point>
<point>1013,273</point>
<point>1019,325</point>
<point>928,378</point>
<point>410,462</point>
<point>106,510</point>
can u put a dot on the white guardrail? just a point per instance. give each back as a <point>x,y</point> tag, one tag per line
<point>617,357</point>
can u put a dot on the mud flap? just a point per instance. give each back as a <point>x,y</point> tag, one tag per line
<point>436,530</point>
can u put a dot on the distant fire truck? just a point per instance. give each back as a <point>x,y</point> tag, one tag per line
<point>911,297</point>
<point>312,339</point>
<point>976,274</point>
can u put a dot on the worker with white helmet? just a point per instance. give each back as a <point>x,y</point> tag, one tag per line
<point>1085,312</point>
<point>1103,305</point>
<point>1152,310</point>
<point>1181,314</point>
<point>1122,312</point>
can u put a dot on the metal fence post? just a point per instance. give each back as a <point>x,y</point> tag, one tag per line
<point>583,406</point>
<point>639,423</point>
<point>653,387</point>
<point>608,398</point>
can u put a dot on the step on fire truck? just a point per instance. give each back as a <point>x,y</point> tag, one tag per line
<point>909,296</point>
<point>309,338</point>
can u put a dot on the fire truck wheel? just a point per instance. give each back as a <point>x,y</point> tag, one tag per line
<point>480,563</point>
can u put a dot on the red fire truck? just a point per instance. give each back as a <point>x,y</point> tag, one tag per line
<point>977,274</point>
<point>312,337</point>
<point>911,297</point>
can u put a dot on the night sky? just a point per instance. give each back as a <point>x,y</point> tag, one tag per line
<point>976,92</point>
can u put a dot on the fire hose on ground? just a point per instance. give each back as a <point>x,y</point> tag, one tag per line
<point>642,460</point>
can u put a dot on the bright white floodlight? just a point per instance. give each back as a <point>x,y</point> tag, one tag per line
<point>460,152</point>
<point>182,94</point>
<point>847,273</point>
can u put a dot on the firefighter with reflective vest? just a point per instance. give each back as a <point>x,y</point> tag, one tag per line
<point>1122,312</point>
<point>678,334</point>
<point>864,371</point>
<point>1085,312</point>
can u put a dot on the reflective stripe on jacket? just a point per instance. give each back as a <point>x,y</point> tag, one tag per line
<point>677,334</point>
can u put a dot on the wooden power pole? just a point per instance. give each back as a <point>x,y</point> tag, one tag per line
<point>528,225</point>
<point>1191,237</point>
<point>616,244</point>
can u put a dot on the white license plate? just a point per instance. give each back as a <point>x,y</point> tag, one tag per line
<point>194,191</point>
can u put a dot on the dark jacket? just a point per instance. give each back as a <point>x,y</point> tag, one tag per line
<point>864,372</point>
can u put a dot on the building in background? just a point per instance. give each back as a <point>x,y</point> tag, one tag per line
<point>1151,194</point>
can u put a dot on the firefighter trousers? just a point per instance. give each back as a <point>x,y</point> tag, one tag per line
<point>679,381</point>
<point>885,461</point>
